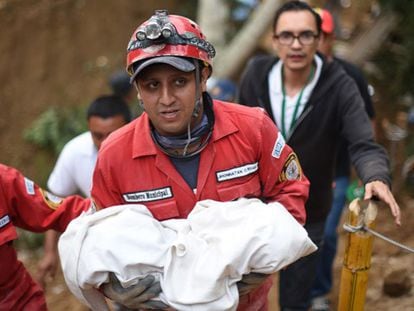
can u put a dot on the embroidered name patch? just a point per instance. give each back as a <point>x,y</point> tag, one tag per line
<point>291,170</point>
<point>30,189</point>
<point>279,145</point>
<point>4,221</point>
<point>148,196</point>
<point>237,172</point>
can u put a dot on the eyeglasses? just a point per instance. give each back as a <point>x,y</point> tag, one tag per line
<point>304,38</point>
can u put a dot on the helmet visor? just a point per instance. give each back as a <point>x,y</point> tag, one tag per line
<point>179,63</point>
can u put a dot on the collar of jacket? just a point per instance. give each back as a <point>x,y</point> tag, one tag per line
<point>143,144</point>
<point>329,69</point>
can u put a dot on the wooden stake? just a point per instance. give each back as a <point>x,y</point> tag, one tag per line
<point>357,258</point>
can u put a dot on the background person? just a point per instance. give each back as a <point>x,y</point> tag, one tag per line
<point>187,147</point>
<point>222,89</point>
<point>314,103</point>
<point>73,170</point>
<point>23,204</point>
<point>121,86</point>
<point>74,167</point>
<point>323,282</point>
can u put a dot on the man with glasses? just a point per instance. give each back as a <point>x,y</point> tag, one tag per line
<point>324,278</point>
<point>314,103</point>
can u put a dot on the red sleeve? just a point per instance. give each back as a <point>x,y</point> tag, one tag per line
<point>103,193</point>
<point>18,291</point>
<point>35,209</point>
<point>281,174</point>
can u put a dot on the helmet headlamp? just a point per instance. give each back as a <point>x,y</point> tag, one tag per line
<point>167,30</point>
<point>159,30</point>
<point>141,35</point>
<point>152,30</point>
<point>157,26</point>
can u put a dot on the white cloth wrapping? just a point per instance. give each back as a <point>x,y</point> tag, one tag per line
<point>198,260</point>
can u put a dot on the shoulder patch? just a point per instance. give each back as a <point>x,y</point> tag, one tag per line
<point>291,169</point>
<point>4,221</point>
<point>30,189</point>
<point>279,145</point>
<point>51,200</point>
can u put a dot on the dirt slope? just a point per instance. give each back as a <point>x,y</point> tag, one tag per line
<point>60,52</point>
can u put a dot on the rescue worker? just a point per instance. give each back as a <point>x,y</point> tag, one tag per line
<point>23,204</point>
<point>186,147</point>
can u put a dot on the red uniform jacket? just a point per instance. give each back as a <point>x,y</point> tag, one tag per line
<point>23,204</point>
<point>246,157</point>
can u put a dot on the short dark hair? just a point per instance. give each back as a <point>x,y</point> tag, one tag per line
<point>119,83</point>
<point>297,6</point>
<point>107,106</point>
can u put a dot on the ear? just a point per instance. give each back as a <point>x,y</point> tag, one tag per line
<point>205,73</point>
<point>135,84</point>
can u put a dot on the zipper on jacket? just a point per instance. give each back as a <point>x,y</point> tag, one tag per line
<point>299,120</point>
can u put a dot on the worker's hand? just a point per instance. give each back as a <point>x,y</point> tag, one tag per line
<point>46,268</point>
<point>250,282</point>
<point>137,296</point>
<point>382,191</point>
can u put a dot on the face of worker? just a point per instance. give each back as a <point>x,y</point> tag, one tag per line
<point>100,128</point>
<point>169,96</point>
<point>296,56</point>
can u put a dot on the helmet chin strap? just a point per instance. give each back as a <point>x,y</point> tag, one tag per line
<point>197,106</point>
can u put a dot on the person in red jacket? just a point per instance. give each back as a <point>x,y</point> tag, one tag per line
<point>25,205</point>
<point>187,147</point>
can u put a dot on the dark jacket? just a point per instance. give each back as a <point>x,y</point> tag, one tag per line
<point>335,109</point>
<point>343,167</point>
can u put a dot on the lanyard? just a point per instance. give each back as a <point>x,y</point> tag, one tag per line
<point>295,112</point>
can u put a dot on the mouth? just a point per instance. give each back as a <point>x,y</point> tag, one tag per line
<point>296,57</point>
<point>169,114</point>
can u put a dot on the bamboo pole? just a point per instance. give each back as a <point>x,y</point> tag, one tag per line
<point>357,258</point>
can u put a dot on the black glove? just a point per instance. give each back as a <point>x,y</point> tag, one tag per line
<point>136,296</point>
<point>250,282</point>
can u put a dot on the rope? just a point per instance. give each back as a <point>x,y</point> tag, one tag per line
<point>353,229</point>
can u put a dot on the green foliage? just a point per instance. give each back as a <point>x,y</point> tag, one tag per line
<point>55,127</point>
<point>396,58</point>
<point>28,240</point>
<point>399,6</point>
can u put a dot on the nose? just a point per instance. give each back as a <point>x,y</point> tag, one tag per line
<point>296,43</point>
<point>167,96</point>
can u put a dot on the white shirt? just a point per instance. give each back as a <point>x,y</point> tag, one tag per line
<point>198,260</point>
<point>276,94</point>
<point>74,168</point>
